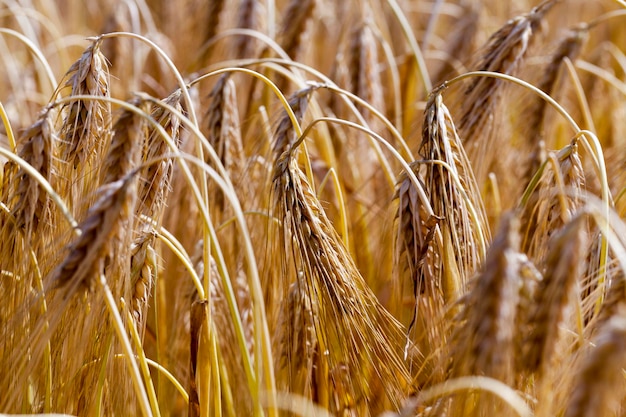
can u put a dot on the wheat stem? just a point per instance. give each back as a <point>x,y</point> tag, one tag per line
<point>141,357</point>
<point>7,127</point>
<point>170,377</point>
<point>33,48</point>
<point>415,49</point>
<point>474,383</point>
<point>179,78</point>
<point>140,389</point>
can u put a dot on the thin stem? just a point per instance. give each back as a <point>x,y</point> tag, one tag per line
<point>140,390</point>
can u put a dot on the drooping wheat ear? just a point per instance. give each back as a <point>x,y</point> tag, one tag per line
<point>32,205</point>
<point>87,123</point>
<point>297,342</point>
<point>558,196</point>
<point>483,342</point>
<point>154,186</point>
<point>354,331</point>
<point>87,253</point>
<point>504,52</point>
<point>293,28</point>
<point>418,263</point>
<point>224,133</point>
<point>599,386</point>
<point>563,269</point>
<point>483,334</point>
<point>570,48</point>
<point>364,75</point>
<point>124,152</point>
<point>452,190</point>
<point>247,18</point>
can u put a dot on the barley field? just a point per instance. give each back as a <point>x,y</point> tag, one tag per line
<point>379,208</point>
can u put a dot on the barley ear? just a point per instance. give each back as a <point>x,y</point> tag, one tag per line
<point>599,385</point>
<point>483,340</point>
<point>86,124</point>
<point>564,266</point>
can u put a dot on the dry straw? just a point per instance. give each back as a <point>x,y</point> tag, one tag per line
<point>306,248</point>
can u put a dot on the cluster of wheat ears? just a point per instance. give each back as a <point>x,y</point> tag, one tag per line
<point>313,207</point>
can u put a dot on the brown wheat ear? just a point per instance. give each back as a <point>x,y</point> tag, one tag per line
<point>86,256</point>
<point>483,344</point>
<point>361,339</point>
<point>564,266</point>
<point>364,76</point>
<point>154,186</point>
<point>86,123</point>
<point>293,28</point>
<point>453,200</point>
<point>483,341</point>
<point>504,53</point>
<point>418,263</point>
<point>568,48</point>
<point>285,136</point>
<point>37,149</point>
<point>224,133</point>
<point>124,152</point>
<point>599,386</point>
<point>247,18</point>
<point>552,205</point>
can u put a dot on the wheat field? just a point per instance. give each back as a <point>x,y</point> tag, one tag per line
<point>386,208</point>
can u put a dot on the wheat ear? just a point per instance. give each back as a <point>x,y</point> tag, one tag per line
<point>599,385</point>
<point>356,340</point>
